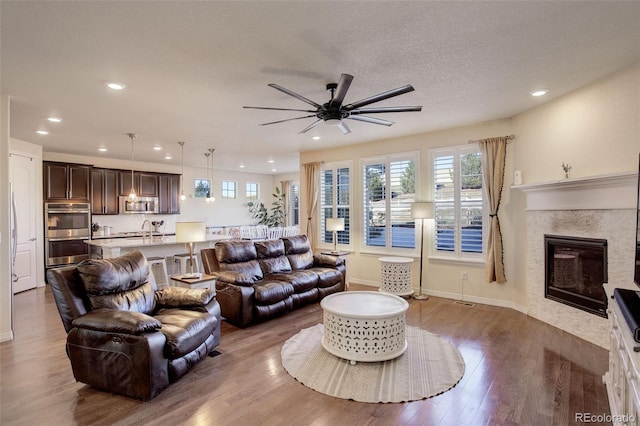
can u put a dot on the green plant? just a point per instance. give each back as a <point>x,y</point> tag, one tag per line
<point>269,217</point>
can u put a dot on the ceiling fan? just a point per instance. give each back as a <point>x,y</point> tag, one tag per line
<point>333,112</point>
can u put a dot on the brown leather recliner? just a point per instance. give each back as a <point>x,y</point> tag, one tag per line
<point>259,280</point>
<point>124,335</point>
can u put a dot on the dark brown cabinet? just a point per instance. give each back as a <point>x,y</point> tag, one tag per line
<point>169,190</point>
<point>144,183</point>
<point>63,181</point>
<point>104,191</point>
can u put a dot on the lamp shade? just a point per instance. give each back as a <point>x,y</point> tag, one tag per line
<point>190,232</point>
<point>422,210</point>
<point>335,224</point>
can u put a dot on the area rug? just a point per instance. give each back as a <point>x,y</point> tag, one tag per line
<point>429,367</point>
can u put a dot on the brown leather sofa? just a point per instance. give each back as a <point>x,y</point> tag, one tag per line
<point>258,280</point>
<point>124,335</point>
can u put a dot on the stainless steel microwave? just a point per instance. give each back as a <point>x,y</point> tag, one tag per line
<point>138,205</point>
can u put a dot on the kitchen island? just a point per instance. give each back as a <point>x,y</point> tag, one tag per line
<point>107,248</point>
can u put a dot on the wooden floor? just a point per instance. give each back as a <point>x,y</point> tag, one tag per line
<point>519,371</point>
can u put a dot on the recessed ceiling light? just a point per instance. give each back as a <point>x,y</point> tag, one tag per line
<point>316,138</point>
<point>157,148</point>
<point>42,132</point>
<point>242,166</point>
<point>54,119</point>
<point>539,92</point>
<point>274,170</point>
<point>114,85</point>
<point>271,161</point>
<point>167,157</point>
<point>102,149</point>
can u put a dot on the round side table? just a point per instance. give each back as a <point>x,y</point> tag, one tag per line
<point>395,274</point>
<point>364,326</point>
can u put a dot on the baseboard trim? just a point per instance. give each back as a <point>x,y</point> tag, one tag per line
<point>455,296</point>
<point>5,337</point>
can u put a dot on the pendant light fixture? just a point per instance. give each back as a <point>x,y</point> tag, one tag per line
<point>183,197</point>
<point>132,193</point>
<point>207,154</point>
<point>210,197</point>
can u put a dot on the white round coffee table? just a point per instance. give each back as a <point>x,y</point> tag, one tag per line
<point>364,326</point>
<point>395,275</point>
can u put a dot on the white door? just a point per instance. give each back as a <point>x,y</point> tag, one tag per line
<point>23,184</point>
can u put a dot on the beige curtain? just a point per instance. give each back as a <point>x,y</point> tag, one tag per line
<point>312,180</point>
<point>285,187</point>
<point>494,151</point>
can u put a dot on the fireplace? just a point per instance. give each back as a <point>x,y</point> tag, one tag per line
<point>575,269</point>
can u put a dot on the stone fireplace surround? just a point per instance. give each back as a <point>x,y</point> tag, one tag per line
<point>595,207</point>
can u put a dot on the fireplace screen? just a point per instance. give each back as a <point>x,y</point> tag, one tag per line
<point>575,269</point>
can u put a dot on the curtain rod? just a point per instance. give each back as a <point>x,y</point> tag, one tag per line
<point>312,162</point>
<point>508,137</point>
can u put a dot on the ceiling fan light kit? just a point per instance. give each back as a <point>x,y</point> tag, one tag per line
<point>333,113</point>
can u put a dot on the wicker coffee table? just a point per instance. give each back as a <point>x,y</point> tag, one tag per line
<point>365,326</point>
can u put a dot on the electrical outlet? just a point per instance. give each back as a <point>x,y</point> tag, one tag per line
<point>463,275</point>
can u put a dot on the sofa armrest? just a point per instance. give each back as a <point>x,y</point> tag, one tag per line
<point>179,297</point>
<point>113,321</point>
<point>327,261</point>
<point>234,277</point>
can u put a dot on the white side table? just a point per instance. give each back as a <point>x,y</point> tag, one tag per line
<point>364,325</point>
<point>395,274</point>
<point>205,281</point>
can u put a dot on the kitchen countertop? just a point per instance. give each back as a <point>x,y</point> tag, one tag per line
<point>145,242</point>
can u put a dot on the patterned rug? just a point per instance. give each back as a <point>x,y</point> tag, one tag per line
<point>429,367</point>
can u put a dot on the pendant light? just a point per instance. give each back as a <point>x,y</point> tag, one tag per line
<point>183,197</point>
<point>132,193</point>
<point>207,154</point>
<point>210,197</point>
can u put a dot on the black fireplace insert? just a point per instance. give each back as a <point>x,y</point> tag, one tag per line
<point>575,269</point>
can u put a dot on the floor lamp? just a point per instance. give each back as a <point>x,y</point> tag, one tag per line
<point>422,211</point>
<point>191,232</point>
<point>335,224</point>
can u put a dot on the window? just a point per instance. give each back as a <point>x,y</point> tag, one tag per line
<point>251,191</point>
<point>228,189</point>
<point>335,201</point>
<point>201,188</point>
<point>294,204</point>
<point>389,188</point>
<point>458,202</point>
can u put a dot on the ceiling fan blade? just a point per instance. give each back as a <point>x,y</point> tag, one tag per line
<point>371,120</point>
<point>385,109</point>
<point>288,119</point>
<point>279,109</point>
<point>344,128</point>
<point>341,90</point>
<point>311,126</point>
<point>294,94</point>
<point>380,97</point>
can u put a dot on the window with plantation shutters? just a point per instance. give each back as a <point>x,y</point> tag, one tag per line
<point>458,200</point>
<point>294,203</point>
<point>389,188</point>
<point>335,201</point>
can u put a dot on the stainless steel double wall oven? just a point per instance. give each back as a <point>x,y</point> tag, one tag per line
<point>67,226</point>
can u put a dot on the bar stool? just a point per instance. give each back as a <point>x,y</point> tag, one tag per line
<point>158,269</point>
<point>184,263</point>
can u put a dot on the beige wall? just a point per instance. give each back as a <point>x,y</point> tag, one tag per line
<point>594,129</point>
<point>6,332</point>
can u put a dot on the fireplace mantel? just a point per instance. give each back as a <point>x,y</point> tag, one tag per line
<point>612,191</point>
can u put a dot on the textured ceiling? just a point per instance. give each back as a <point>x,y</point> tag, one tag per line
<point>189,68</point>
